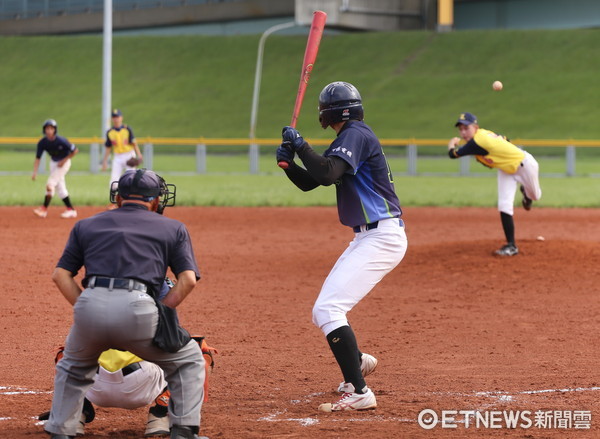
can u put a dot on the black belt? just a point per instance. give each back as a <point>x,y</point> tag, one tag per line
<point>113,283</point>
<point>371,226</point>
<point>130,368</point>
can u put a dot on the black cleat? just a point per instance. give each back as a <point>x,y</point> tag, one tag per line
<point>507,250</point>
<point>527,202</point>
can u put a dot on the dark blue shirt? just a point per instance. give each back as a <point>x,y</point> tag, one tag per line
<point>365,193</point>
<point>57,149</point>
<point>130,242</point>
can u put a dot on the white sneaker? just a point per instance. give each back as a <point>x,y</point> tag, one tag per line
<point>69,213</point>
<point>351,401</point>
<point>157,426</point>
<point>368,363</point>
<point>41,212</point>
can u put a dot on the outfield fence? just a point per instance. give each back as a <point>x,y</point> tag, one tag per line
<point>408,148</point>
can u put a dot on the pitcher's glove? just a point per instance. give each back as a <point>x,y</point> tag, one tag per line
<point>133,162</point>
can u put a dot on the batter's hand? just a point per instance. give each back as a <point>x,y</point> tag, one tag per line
<point>453,143</point>
<point>285,153</point>
<point>292,137</point>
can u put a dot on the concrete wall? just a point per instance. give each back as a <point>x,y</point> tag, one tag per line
<point>383,15</point>
<point>143,18</point>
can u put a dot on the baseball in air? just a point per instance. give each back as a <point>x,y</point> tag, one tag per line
<point>497,85</point>
<point>541,238</point>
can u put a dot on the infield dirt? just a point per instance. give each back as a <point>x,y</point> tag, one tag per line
<point>453,327</point>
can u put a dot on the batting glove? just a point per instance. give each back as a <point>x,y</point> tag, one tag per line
<point>292,137</point>
<point>285,153</point>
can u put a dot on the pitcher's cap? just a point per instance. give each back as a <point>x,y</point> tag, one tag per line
<point>466,119</point>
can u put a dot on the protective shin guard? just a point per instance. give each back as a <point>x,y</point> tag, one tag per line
<point>509,227</point>
<point>342,342</point>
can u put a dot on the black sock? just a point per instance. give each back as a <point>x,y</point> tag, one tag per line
<point>67,202</point>
<point>342,342</point>
<point>47,200</point>
<point>509,227</point>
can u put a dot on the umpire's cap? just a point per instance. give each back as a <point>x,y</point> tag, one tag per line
<point>466,119</point>
<point>140,184</point>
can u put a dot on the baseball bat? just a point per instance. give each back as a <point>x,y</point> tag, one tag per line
<point>310,55</point>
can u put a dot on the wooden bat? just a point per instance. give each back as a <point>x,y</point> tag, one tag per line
<point>310,55</point>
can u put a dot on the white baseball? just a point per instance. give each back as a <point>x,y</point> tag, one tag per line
<point>497,85</point>
<point>541,238</point>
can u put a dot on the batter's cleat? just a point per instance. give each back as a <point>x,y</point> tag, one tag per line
<point>157,426</point>
<point>527,202</point>
<point>42,212</point>
<point>368,363</point>
<point>351,401</point>
<point>507,250</point>
<point>69,213</point>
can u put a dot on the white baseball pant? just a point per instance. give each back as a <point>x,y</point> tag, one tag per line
<point>119,165</point>
<point>56,179</point>
<point>528,175</point>
<point>369,257</point>
<point>137,389</point>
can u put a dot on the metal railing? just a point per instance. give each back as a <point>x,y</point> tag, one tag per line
<point>12,9</point>
<point>148,145</point>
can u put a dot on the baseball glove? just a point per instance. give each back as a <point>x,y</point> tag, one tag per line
<point>133,162</point>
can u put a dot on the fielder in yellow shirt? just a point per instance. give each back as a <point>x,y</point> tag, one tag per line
<point>515,167</point>
<point>120,140</point>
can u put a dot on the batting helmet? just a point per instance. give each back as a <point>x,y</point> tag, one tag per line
<point>52,123</point>
<point>339,101</point>
<point>144,185</point>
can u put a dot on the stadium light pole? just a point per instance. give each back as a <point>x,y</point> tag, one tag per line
<point>106,65</point>
<point>258,73</point>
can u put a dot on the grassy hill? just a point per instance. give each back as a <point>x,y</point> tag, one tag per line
<point>414,84</point>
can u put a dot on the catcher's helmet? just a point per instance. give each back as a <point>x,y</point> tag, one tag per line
<point>339,101</point>
<point>144,185</point>
<point>52,123</point>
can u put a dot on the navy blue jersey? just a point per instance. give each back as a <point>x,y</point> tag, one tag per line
<point>365,193</point>
<point>57,149</point>
<point>129,242</point>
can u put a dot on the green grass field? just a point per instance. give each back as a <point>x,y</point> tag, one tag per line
<point>413,84</point>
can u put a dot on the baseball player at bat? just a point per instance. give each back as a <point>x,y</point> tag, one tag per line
<point>515,167</point>
<point>367,203</point>
<point>60,151</point>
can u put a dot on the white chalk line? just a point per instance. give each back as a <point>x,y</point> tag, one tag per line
<point>498,396</point>
<point>12,390</point>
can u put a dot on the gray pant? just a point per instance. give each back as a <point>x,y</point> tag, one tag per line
<point>124,320</point>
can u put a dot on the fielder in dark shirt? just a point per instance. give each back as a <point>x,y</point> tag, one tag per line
<point>60,151</point>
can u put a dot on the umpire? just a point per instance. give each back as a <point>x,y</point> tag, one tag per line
<point>126,253</point>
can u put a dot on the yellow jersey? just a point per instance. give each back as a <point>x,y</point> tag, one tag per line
<point>120,139</point>
<point>113,359</point>
<point>492,150</point>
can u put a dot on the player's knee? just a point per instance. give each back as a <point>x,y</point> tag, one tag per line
<point>506,208</point>
<point>323,314</point>
<point>50,190</point>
